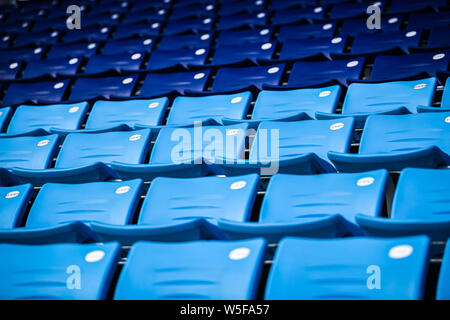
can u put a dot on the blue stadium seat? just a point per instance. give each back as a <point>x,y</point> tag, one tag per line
<point>194,24</point>
<point>304,74</point>
<point>418,20</point>
<point>395,142</point>
<point>120,63</point>
<point>151,14</point>
<point>347,10</point>
<point>311,48</point>
<point>25,54</point>
<point>438,37</point>
<point>186,209</point>
<point>10,70</point>
<point>84,157</point>
<point>187,110</point>
<point>399,97</point>
<point>293,15</point>
<point>397,67</point>
<point>28,119</point>
<point>235,53</point>
<point>37,38</point>
<point>132,45</point>
<point>291,105</point>
<point>357,26</point>
<point>232,271</point>
<point>443,289</point>
<point>445,103</point>
<point>35,92</point>
<point>232,7</point>
<point>63,212</point>
<point>163,59</point>
<point>298,147</point>
<point>159,84</point>
<point>419,207</point>
<point>173,42</point>
<point>60,67</point>
<point>95,33</point>
<point>57,271</point>
<point>5,115</point>
<point>349,269</point>
<point>253,19</point>
<point>107,87</point>
<point>28,152</point>
<point>318,206</point>
<point>187,152</point>
<point>372,43</point>
<point>414,5</point>
<point>142,29</point>
<point>239,37</point>
<point>288,32</point>
<point>229,79</point>
<point>14,201</point>
<point>72,50</point>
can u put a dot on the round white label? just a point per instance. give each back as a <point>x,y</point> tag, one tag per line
<point>336,40</point>
<point>232,132</point>
<point>206,21</point>
<point>325,93</point>
<point>318,9</point>
<point>37,50</point>
<point>438,56</point>
<point>420,86</point>
<point>94,256</point>
<point>204,37</point>
<point>122,190</point>
<point>43,143</point>
<point>238,185</point>
<point>74,109</point>
<point>353,63</point>
<point>447,120</point>
<point>153,105</point>
<point>13,65</point>
<point>239,253</point>
<point>73,61</point>
<point>127,80</point>
<point>263,32</point>
<point>236,99</point>
<point>91,46</point>
<point>199,52</point>
<point>135,137</point>
<point>199,76</point>
<point>367,181</point>
<point>336,126</point>
<point>261,15</point>
<point>327,26</point>
<point>266,46</point>
<point>273,70</point>
<point>401,251</point>
<point>147,41</point>
<point>393,20</point>
<point>136,56</point>
<point>411,34</point>
<point>155,25</point>
<point>12,194</point>
<point>58,85</point>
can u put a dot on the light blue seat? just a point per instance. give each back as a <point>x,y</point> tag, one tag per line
<point>445,102</point>
<point>187,152</point>
<point>28,152</point>
<point>349,269</point>
<point>63,212</point>
<point>394,142</point>
<point>28,119</point>
<point>5,115</point>
<point>200,270</point>
<point>84,157</point>
<point>187,110</point>
<point>187,209</point>
<point>397,97</point>
<point>292,105</point>
<point>297,147</point>
<point>57,271</point>
<point>123,115</point>
<point>318,206</point>
<point>420,206</point>
<point>13,203</point>
<point>443,287</point>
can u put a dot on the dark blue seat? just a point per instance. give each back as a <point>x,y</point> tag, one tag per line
<point>37,38</point>
<point>194,24</point>
<point>232,271</point>
<point>84,157</point>
<point>24,54</point>
<point>305,73</point>
<point>292,15</point>
<point>187,209</point>
<point>309,48</point>
<point>5,116</point>
<point>414,5</point>
<point>384,42</point>
<point>187,152</point>
<point>132,45</point>
<point>297,147</point>
<point>36,92</point>
<point>289,32</point>
<point>347,10</point>
<point>10,70</point>
<point>158,84</point>
<point>443,292</point>
<point>187,110</point>
<point>428,20</point>
<point>253,19</point>
<point>228,79</point>
<point>148,14</point>
<point>95,33</point>
<point>438,37</point>
<point>233,7</point>
<point>57,271</point>
<point>63,212</point>
<point>27,119</point>
<point>14,201</point>
<point>419,207</point>
<point>234,53</point>
<point>311,206</point>
<point>397,67</point>
<point>77,49</point>
<point>141,29</point>
<point>357,26</point>
<point>107,87</point>
<point>395,142</point>
<point>122,62</point>
<point>161,59</point>
<point>241,36</point>
<point>59,67</point>
<point>173,42</point>
<point>342,269</point>
<point>396,97</point>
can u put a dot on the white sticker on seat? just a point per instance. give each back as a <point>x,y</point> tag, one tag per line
<point>122,190</point>
<point>91,46</point>
<point>411,34</point>
<point>353,63</point>
<point>336,40</point>
<point>401,251</point>
<point>438,56</point>
<point>147,42</point>
<point>266,46</point>
<point>336,126</point>
<point>325,93</point>
<point>363,182</point>
<point>236,99</point>
<point>153,105</point>
<point>12,194</point>
<point>155,25</point>
<point>43,143</point>
<point>447,120</point>
<point>13,65</point>
<point>74,109</point>
<point>261,15</point>
<point>204,37</point>
<point>232,132</point>
<point>393,20</point>
<point>127,80</point>
<point>58,85</point>
<point>420,86</point>
<point>73,60</point>
<point>238,185</point>
<point>135,137</point>
<point>273,70</point>
<point>199,76</point>
<point>327,26</point>
<point>94,256</point>
<point>136,56</point>
<point>239,253</point>
<point>207,21</point>
<point>318,10</point>
<point>37,50</point>
<point>199,52</point>
<point>263,32</point>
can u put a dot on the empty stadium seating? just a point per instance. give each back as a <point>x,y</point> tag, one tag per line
<point>225,149</point>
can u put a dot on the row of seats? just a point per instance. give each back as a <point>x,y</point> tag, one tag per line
<point>181,209</point>
<point>360,268</point>
<point>392,142</point>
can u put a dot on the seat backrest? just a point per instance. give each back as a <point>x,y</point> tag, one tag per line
<point>13,203</point>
